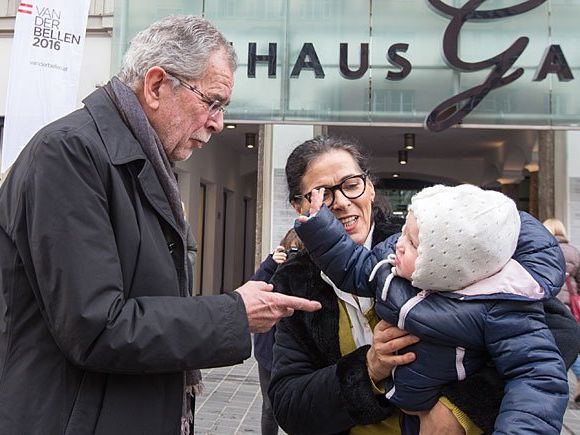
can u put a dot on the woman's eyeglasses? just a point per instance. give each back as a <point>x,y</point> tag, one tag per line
<point>213,106</point>
<point>351,187</point>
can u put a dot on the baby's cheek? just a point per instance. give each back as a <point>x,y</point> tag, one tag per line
<point>400,271</point>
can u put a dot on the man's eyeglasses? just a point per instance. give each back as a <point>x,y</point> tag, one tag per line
<point>213,106</point>
<point>351,187</point>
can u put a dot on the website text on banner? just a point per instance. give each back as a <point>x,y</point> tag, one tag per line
<point>45,64</point>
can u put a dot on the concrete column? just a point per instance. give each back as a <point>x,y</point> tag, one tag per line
<point>275,215</point>
<point>546,203</point>
<point>263,191</point>
<point>573,186</point>
<point>320,130</point>
<point>511,190</point>
<point>533,194</point>
<point>561,177</point>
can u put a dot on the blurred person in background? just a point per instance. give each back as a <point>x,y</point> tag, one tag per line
<point>572,257</point>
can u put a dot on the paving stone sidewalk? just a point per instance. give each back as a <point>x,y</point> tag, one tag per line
<point>232,403</point>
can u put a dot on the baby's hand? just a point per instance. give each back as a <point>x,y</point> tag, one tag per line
<point>279,255</point>
<point>315,204</point>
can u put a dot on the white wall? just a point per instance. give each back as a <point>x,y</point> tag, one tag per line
<point>94,68</point>
<point>5,47</point>
<point>279,214</point>
<point>573,170</point>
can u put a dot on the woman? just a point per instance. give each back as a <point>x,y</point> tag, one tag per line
<point>323,366</point>
<point>572,257</point>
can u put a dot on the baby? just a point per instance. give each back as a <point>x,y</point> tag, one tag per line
<point>468,299</point>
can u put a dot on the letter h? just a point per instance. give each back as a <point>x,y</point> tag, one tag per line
<point>270,58</point>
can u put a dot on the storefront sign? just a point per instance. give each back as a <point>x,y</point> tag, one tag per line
<point>453,110</point>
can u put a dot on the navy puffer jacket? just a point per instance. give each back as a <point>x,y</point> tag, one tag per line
<point>459,333</point>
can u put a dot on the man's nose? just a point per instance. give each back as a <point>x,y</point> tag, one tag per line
<point>215,123</point>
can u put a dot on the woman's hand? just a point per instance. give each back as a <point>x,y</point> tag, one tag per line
<point>382,356</point>
<point>279,254</point>
<point>438,421</point>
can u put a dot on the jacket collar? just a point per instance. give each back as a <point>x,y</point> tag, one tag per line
<point>123,148</point>
<point>118,139</point>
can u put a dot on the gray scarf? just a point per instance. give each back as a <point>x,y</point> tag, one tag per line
<point>134,117</point>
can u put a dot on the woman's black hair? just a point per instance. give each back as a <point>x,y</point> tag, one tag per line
<point>307,152</point>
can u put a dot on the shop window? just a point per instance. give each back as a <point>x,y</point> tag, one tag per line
<point>398,193</point>
<point>394,101</point>
<point>253,10</point>
<point>317,10</point>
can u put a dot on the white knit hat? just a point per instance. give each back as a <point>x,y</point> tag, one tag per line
<point>465,235</point>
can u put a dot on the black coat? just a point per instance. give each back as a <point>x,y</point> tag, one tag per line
<point>94,332</point>
<point>315,390</point>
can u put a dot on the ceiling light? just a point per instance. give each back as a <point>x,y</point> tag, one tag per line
<point>395,175</point>
<point>231,126</point>
<point>403,157</point>
<point>409,141</point>
<point>250,140</point>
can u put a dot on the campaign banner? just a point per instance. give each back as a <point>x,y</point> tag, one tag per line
<point>45,64</point>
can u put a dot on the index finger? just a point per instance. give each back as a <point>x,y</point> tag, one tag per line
<point>388,333</point>
<point>297,303</point>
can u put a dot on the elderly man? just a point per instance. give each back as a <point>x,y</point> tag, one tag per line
<point>97,334</point>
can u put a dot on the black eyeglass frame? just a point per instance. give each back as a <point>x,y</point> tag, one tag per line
<point>333,189</point>
<point>213,106</point>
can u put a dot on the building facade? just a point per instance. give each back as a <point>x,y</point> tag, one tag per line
<point>488,94</point>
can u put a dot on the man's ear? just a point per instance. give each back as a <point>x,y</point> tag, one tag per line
<point>152,82</point>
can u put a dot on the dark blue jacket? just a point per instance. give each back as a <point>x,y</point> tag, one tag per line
<point>264,342</point>
<point>459,334</point>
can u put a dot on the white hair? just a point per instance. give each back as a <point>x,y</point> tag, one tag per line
<point>182,44</point>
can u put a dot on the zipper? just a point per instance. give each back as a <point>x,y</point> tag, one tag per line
<point>409,305</point>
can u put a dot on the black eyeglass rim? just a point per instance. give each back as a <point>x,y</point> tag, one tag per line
<point>210,103</point>
<point>332,189</point>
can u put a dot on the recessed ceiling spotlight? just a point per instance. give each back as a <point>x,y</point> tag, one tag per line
<point>403,157</point>
<point>409,141</point>
<point>250,140</point>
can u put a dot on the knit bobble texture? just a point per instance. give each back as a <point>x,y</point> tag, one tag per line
<point>466,234</point>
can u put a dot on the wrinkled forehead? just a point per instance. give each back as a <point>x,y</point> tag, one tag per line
<point>329,169</point>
